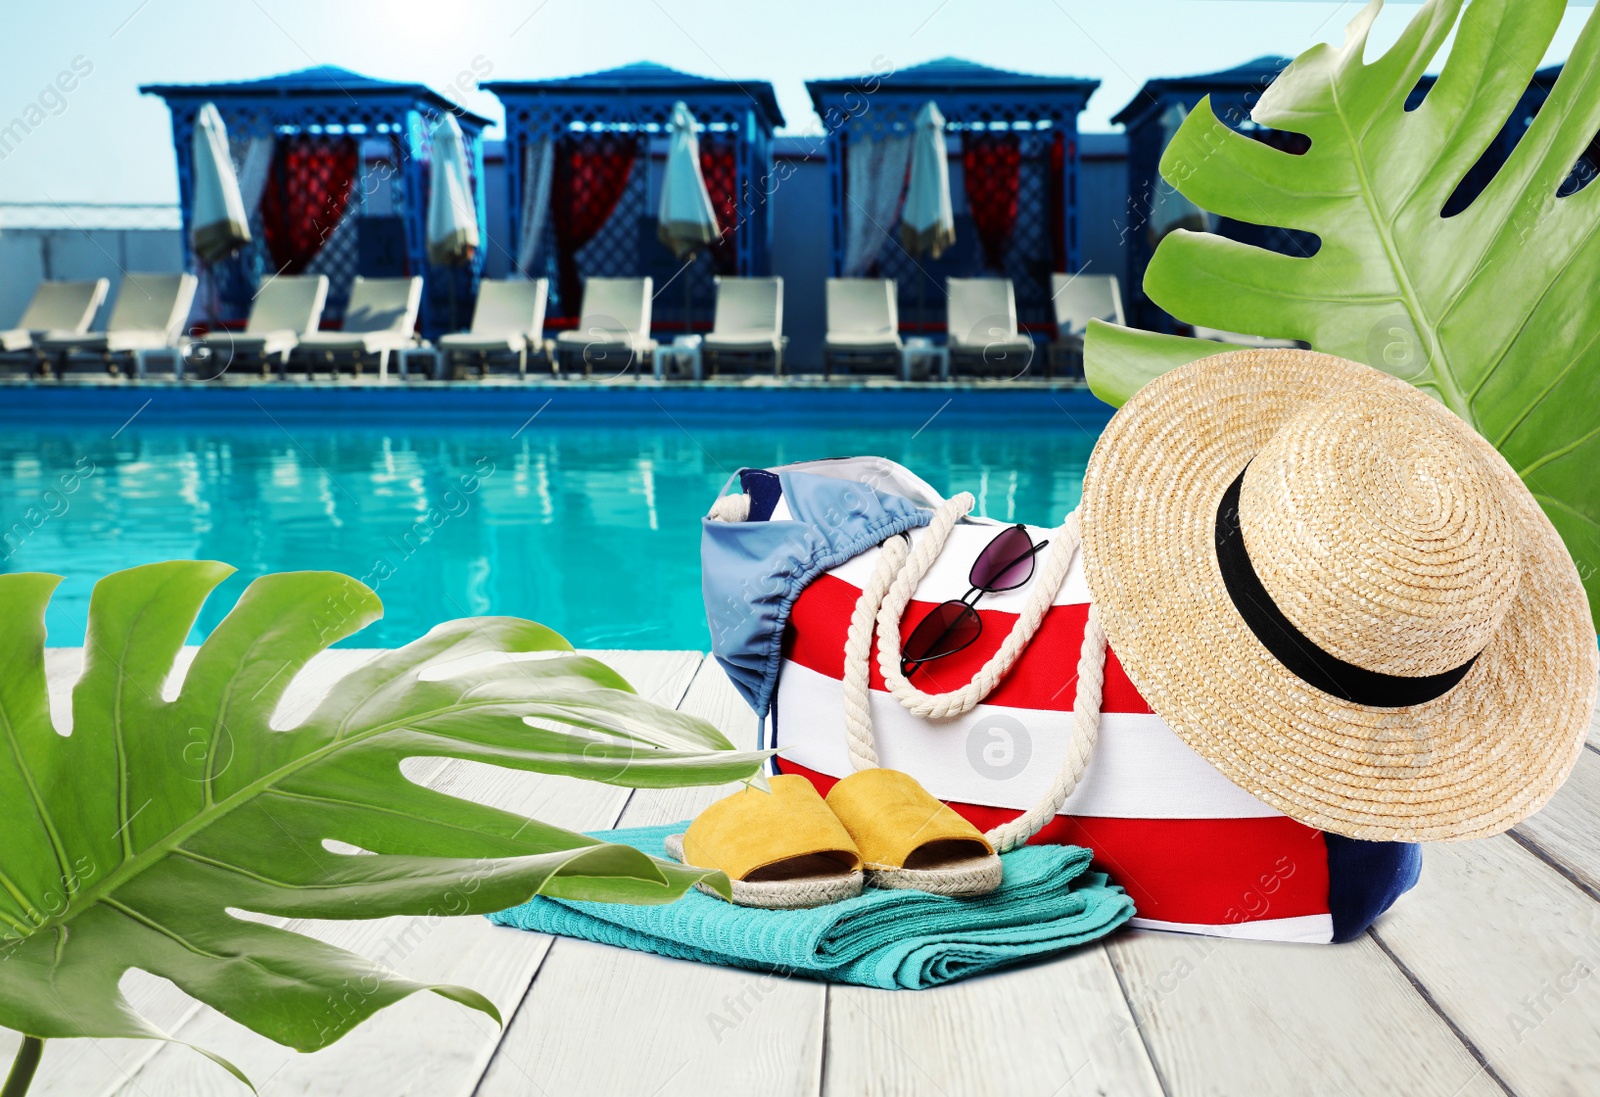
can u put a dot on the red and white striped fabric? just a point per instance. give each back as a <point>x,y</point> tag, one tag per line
<point>1196,852</point>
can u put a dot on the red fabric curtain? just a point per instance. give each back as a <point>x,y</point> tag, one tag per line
<point>991,164</point>
<point>721,169</point>
<point>306,194</point>
<point>591,173</point>
<point>1060,154</point>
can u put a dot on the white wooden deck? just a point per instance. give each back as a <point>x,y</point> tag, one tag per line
<point>1484,980</point>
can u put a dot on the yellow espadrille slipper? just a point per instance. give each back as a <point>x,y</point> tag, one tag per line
<point>910,840</point>
<point>783,850</point>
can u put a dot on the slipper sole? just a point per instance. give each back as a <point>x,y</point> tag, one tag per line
<point>813,891</point>
<point>975,876</point>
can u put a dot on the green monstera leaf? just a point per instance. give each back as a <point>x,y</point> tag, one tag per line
<point>125,844</point>
<point>1492,310</point>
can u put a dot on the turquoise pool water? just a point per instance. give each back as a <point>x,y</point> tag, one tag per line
<point>583,516</point>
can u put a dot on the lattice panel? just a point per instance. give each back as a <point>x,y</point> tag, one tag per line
<point>245,120</point>
<point>551,118</point>
<point>1030,254</point>
<point>614,251</point>
<point>337,259</point>
<point>880,114</point>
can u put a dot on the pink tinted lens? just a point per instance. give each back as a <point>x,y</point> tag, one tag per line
<point>1006,563</point>
<point>947,628</point>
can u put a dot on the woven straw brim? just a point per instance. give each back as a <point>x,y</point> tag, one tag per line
<point>1470,763</point>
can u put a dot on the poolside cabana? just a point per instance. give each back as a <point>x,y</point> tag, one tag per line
<point>1013,145</point>
<point>334,170</point>
<point>580,170</point>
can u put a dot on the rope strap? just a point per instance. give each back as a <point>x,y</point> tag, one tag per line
<point>731,508</point>
<point>882,603</point>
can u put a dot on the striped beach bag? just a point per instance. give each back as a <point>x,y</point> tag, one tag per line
<point>814,574</point>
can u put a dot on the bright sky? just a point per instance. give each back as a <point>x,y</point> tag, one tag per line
<point>110,144</point>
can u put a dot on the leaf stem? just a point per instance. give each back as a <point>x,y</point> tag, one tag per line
<point>23,1067</point>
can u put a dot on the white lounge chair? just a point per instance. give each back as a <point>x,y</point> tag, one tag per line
<point>508,320</point>
<point>983,335</point>
<point>285,310</point>
<point>613,331</point>
<point>1239,339</point>
<point>1076,299</point>
<point>379,321</point>
<point>148,315</point>
<point>863,323</point>
<point>748,325</point>
<point>64,307</point>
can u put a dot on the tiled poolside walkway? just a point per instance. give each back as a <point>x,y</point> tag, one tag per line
<point>1485,980</point>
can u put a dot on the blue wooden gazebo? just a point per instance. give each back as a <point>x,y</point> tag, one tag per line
<point>362,147</point>
<point>1013,142</point>
<point>579,175</point>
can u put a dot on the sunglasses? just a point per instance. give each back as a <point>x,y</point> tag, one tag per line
<point>1006,563</point>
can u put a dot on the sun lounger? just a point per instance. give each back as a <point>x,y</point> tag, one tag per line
<point>66,308</point>
<point>1077,299</point>
<point>148,316</point>
<point>285,310</point>
<point>748,325</point>
<point>507,322</point>
<point>863,324</point>
<point>613,332</point>
<point>379,321</point>
<point>1238,339</point>
<point>984,339</point>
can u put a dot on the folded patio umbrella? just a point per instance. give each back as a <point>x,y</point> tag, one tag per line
<point>896,940</point>
<point>685,221</point>
<point>452,212</point>
<point>221,226</point>
<point>927,222</point>
<point>1168,209</point>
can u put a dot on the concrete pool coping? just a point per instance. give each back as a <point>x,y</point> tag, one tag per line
<point>79,399</point>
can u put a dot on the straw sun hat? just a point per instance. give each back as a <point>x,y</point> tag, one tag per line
<point>1340,596</point>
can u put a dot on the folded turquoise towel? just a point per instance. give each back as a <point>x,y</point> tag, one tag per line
<point>897,940</point>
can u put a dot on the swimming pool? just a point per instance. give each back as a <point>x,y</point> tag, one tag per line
<point>577,506</point>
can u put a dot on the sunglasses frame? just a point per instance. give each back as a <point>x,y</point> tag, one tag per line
<point>909,666</point>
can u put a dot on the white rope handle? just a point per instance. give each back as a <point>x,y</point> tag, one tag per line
<point>731,508</point>
<point>884,599</point>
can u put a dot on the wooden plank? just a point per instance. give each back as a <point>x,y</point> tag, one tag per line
<point>1509,950</point>
<point>1567,829</point>
<point>690,1028</point>
<point>1054,1029</point>
<point>1228,1016</point>
<point>425,1045</point>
